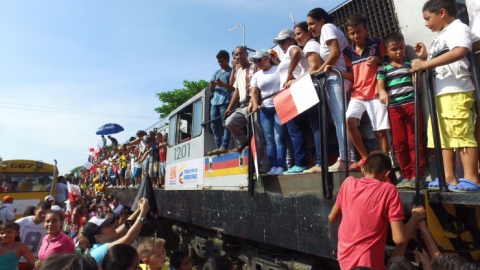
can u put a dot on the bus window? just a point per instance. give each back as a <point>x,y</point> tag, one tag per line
<point>23,181</point>
<point>197,118</point>
<point>172,131</point>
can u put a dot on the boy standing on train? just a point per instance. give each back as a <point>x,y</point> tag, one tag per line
<point>395,87</point>
<point>363,57</point>
<point>367,206</point>
<point>454,92</point>
<point>219,84</point>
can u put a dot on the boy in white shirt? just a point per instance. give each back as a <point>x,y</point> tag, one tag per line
<point>454,92</point>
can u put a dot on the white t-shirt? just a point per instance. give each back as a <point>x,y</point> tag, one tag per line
<point>268,82</point>
<point>31,234</point>
<point>473,9</point>
<point>118,209</point>
<point>301,68</point>
<point>241,83</point>
<point>329,32</point>
<point>311,46</point>
<point>454,77</point>
<point>61,192</point>
<point>6,215</point>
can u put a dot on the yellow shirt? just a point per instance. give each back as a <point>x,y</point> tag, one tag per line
<point>123,161</point>
<point>165,267</point>
<point>99,187</point>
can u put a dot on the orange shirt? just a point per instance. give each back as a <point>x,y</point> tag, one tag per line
<point>364,77</point>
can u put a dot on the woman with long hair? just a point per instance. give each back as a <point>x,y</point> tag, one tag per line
<point>332,42</point>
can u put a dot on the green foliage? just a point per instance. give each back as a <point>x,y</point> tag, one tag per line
<point>174,98</point>
<point>76,169</point>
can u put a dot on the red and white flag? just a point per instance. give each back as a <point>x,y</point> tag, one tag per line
<point>73,192</point>
<point>253,148</point>
<point>299,97</point>
<point>89,166</point>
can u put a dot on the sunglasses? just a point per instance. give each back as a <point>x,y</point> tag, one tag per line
<point>256,61</point>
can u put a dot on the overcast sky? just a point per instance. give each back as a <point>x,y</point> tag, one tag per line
<point>68,67</point>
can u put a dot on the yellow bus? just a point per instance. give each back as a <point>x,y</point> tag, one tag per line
<point>28,182</point>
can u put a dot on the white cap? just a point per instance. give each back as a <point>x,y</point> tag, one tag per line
<point>49,198</point>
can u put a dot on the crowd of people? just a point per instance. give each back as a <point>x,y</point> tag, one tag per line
<point>127,164</point>
<point>379,81</point>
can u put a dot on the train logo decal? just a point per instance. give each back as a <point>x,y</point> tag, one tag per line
<point>180,176</point>
<point>173,173</point>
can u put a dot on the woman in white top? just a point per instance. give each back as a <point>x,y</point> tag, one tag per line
<point>266,82</point>
<point>332,42</point>
<point>311,49</point>
<point>292,65</point>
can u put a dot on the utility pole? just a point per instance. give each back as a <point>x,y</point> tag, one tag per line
<point>238,26</point>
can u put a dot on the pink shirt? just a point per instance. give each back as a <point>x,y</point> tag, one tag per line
<point>368,206</point>
<point>60,244</point>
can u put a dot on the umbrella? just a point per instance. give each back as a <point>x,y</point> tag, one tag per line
<point>109,129</point>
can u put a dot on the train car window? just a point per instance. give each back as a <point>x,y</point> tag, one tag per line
<point>172,131</point>
<point>197,118</point>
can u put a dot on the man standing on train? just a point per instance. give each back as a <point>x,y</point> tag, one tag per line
<point>237,118</point>
<point>219,84</point>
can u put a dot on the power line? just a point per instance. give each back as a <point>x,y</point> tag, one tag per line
<point>69,111</point>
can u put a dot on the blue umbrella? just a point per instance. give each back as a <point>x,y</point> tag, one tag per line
<point>109,129</point>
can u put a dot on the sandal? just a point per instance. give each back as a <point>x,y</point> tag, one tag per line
<point>464,185</point>
<point>433,185</point>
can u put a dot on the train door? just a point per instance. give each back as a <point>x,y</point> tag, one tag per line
<point>184,168</point>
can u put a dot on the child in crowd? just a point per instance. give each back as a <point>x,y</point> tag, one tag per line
<point>180,260</point>
<point>10,249</point>
<point>367,206</point>
<point>363,57</point>
<point>454,92</point>
<point>395,87</point>
<point>8,203</point>
<point>152,253</point>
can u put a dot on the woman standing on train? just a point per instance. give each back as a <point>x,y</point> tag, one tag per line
<point>332,42</point>
<point>266,82</point>
<point>293,64</point>
<point>311,50</point>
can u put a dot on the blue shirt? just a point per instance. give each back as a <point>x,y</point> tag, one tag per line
<point>222,95</point>
<point>98,252</point>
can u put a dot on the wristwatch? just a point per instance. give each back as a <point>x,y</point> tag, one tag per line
<point>142,219</point>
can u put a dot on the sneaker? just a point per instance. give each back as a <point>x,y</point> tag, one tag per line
<point>220,151</point>
<point>272,171</point>
<point>279,171</point>
<point>402,182</point>
<point>211,153</point>
<point>357,166</point>
<point>412,184</point>
<point>295,169</point>
<point>339,166</point>
<point>314,169</point>
<point>137,186</point>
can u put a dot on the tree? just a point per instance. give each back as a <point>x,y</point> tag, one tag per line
<point>76,169</point>
<point>174,98</point>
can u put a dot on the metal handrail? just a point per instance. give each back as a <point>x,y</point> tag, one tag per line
<point>436,132</point>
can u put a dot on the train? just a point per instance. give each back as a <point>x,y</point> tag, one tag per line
<point>218,205</point>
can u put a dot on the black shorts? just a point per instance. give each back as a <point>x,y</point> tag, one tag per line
<point>122,172</point>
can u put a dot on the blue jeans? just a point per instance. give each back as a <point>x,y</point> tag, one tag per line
<point>335,100</point>
<point>274,135</point>
<point>299,146</point>
<point>217,128</point>
<point>313,116</point>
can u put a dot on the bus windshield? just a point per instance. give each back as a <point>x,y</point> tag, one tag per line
<point>25,181</point>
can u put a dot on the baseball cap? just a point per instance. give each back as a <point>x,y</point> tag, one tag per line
<point>284,34</point>
<point>258,54</point>
<point>94,226</point>
<point>7,199</point>
<point>56,208</point>
<point>49,198</point>
<point>273,52</point>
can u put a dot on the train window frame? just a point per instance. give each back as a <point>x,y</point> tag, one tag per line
<point>172,130</point>
<point>197,118</point>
